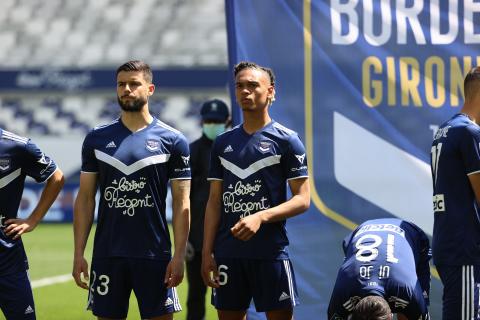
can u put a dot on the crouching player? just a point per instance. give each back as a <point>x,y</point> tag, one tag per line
<point>387,258</point>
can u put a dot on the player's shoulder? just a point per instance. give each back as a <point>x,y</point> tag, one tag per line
<point>12,137</point>
<point>282,131</point>
<point>104,127</point>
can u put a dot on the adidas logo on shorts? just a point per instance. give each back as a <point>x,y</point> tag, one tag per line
<point>29,310</point>
<point>228,149</point>
<point>168,302</point>
<point>283,296</point>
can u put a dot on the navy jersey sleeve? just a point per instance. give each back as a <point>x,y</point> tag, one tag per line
<point>215,170</point>
<point>423,256</point>
<point>470,149</point>
<point>295,160</point>
<point>89,161</point>
<point>179,162</point>
<point>37,165</point>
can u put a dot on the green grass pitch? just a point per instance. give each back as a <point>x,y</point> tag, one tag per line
<point>50,252</point>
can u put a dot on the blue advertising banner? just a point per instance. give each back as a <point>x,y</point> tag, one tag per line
<point>366,84</point>
<point>99,79</point>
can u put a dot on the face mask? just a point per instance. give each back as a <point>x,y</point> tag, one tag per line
<point>212,130</point>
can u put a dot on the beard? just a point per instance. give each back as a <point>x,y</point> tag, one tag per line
<point>132,105</point>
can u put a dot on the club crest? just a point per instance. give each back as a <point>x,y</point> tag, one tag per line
<point>4,164</point>
<point>152,145</point>
<point>265,146</point>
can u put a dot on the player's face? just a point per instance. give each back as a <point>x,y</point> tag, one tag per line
<point>133,90</point>
<point>253,89</point>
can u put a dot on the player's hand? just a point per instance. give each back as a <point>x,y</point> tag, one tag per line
<point>80,272</point>
<point>174,273</point>
<point>246,227</point>
<point>209,266</point>
<point>16,227</point>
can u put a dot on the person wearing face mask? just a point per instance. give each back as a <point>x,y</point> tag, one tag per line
<point>215,119</point>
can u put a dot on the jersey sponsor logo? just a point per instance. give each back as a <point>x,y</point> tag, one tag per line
<point>111,144</point>
<point>152,145</point>
<point>168,302</point>
<point>283,296</point>
<point>43,160</point>
<point>300,157</point>
<point>234,200</point>
<point>265,146</point>
<point>120,195</point>
<point>29,310</point>
<point>4,164</point>
<point>228,149</point>
<point>438,203</point>
<point>186,160</point>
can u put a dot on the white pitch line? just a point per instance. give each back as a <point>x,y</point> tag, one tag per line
<point>51,280</point>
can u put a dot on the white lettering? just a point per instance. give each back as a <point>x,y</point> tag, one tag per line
<point>338,9</point>
<point>234,204</point>
<point>435,18</point>
<point>470,7</point>
<point>117,200</point>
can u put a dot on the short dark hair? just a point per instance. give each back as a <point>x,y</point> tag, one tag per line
<point>372,308</point>
<point>137,65</point>
<point>252,65</point>
<point>471,83</point>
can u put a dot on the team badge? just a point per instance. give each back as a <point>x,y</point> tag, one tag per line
<point>152,145</point>
<point>265,146</point>
<point>4,164</point>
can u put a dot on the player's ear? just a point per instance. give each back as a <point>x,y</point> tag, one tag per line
<point>151,89</point>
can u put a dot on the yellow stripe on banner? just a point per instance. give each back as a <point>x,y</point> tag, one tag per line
<point>308,67</point>
<point>307,36</point>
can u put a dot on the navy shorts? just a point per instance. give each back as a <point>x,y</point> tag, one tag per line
<point>16,298</point>
<point>112,280</point>
<point>271,284</point>
<point>460,292</point>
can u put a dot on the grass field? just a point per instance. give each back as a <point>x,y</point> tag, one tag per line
<point>50,252</point>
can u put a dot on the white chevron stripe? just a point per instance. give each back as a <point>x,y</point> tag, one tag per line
<point>10,177</point>
<point>254,167</point>
<point>134,167</point>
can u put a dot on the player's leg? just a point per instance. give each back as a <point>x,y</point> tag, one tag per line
<point>110,288</point>
<point>232,315</point>
<point>16,298</point>
<point>286,314</point>
<point>155,300</point>
<point>196,289</point>
<point>460,291</point>
<point>233,296</point>
<point>274,288</point>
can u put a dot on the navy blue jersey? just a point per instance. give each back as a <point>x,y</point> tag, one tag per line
<point>388,258</point>
<point>255,170</point>
<point>455,155</point>
<point>19,157</point>
<point>133,172</point>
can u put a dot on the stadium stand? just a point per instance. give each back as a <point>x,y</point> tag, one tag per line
<point>104,33</point>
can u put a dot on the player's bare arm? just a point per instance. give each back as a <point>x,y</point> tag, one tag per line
<point>181,226</point>
<point>16,227</point>
<point>83,213</point>
<point>246,227</point>
<point>212,220</point>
